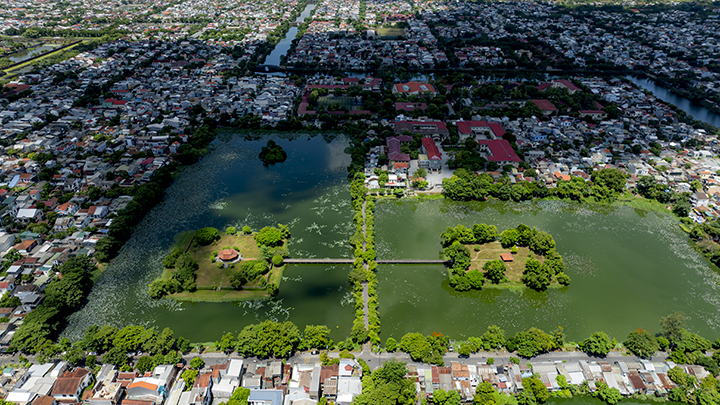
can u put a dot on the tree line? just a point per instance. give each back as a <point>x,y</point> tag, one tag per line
<point>607,185</point>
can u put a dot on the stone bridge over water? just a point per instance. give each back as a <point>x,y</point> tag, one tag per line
<point>351,261</point>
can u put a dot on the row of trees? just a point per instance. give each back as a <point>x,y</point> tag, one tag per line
<point>464,185</point>
<point>363,272</point>
<point>149,194</point>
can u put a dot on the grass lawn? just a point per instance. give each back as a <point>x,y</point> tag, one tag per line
<point>208,273</point>
<point>492,251</point>
<point>343,101</point>
<point>391,32</point>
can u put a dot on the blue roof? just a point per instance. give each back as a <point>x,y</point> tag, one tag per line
<point>274,396</point>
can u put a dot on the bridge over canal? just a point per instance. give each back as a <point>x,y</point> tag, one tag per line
<point>351,261</point>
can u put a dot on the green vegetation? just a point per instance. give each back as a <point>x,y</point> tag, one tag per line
<point>272,153</point>
<point>598,344</point>
<point>206,236</point>
<point>543,265</point>
<point>182,278</point>
<point>362,275</point>
<point>387,385</point>
<point>464,185</point>
<point>427,349</point>
<point>62,297</point>
<point>256,276</point>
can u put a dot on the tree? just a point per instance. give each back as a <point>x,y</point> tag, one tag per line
<point>189,376</point>
<point>541,242</point>
<point>269,236</point>
<point>246,230</point>
<point>536,387</point>
<point>239,397</point>
<point>672,326</point>
<point>268,339</point>
<point>116,356</point>
<point>272,153</point>
<point>197,363</point>
<point>144,364</point>
<point>416,346</point>
<point>231,230</point>
<point>509,237</point>
<point>536,275</point>
<point>207,235</point>
<point>493,338</point>
<point>316,337</point>
<point>226,343</point>
<point>598,344</point>
<point>484,233</point>
<point>495,271</point>
<point>532,342</point>
<point>613,179</point>
<point>387,386</point>
<point>607,394</point>
<point>442,397</point>
<point>641,343</point>
<point>390,345</point>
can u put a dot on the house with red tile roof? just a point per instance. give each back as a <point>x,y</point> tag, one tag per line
<point>499,151</point>
<point>69,386</point>
<point>414,88</point>
<point>545,106</point>
<point>490,130</point>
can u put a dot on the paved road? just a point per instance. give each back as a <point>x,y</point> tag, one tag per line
<point>375,360</point>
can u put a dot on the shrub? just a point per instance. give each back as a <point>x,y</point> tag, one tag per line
<point>207,235</point>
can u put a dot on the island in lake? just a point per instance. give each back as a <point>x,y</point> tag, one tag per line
<point>231,266</point>
<point>517,257</point>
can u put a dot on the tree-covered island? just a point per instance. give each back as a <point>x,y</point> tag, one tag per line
<point>521,256</point>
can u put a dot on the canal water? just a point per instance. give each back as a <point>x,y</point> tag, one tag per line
<point>231,187</point>
<point>696,111</point>
<point>628,269</point>
<point>284,45</point>
<point>29,53</point>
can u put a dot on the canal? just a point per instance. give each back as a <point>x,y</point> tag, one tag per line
<point>696,111</point>
<point>284,45</point>
<point>29,53</point>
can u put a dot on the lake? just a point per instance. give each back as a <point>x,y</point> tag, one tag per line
<point>628,269</point>
<point>231,187</point>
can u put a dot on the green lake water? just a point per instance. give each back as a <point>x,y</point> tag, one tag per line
<point>230,186</point>
<point>628,269</point>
